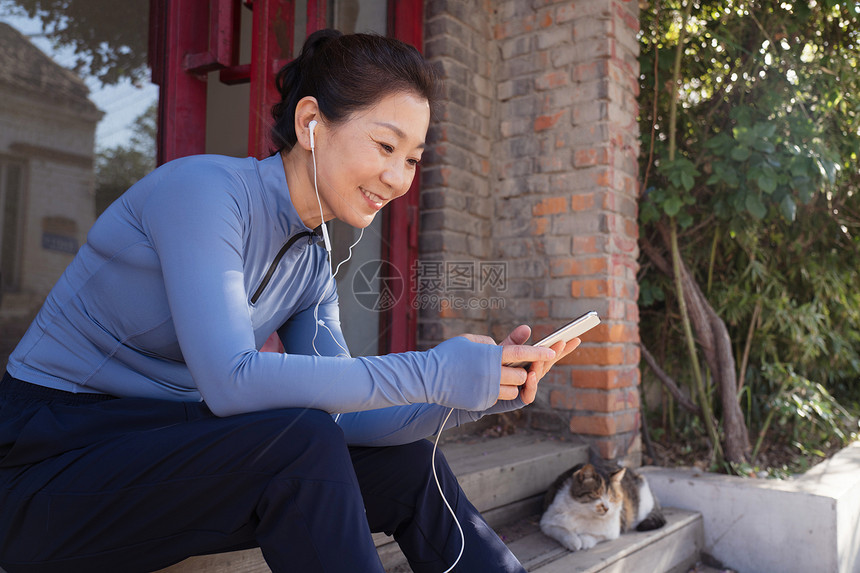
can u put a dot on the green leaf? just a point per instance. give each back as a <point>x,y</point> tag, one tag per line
<point>755,207</point>
<point>730,176</point>
<point>648,212</point>
<point>800,167</point>
<point>764,146</point>
<point>740,153</point>
<point>741,114</point>
<point>720,143</point>
<point>743,134</point>
<point>766,183</point>
<point>687,180</point>
<point>804,187</point>
<point>672,206</point>
<point>788,208</point>
<point>765,130</point>
<point>829,169</point>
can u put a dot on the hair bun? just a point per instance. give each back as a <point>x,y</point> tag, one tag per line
<point>316,41</point>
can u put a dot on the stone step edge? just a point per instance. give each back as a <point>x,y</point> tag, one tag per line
<point>553,558</point>
<point>509,469</point>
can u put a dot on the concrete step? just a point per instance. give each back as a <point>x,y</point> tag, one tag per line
<point>673,548</point>
<point>505,478</point>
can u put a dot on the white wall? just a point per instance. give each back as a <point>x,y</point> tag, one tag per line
<point>805,524</point>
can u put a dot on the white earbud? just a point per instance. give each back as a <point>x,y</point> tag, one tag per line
<point>311,126</point>
<point>326,239</point>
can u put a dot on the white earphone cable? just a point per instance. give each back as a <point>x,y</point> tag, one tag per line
<point>439,487</point>
<point>317,321</point>
<point>319,203</point>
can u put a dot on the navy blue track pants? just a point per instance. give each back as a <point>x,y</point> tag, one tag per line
<point>89,484</point>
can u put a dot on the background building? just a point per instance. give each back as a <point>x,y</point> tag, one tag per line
<point>47,133</point>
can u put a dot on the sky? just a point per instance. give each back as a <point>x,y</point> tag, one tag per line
<point>122,103</point>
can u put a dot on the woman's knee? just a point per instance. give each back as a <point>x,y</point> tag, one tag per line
<point>414,465</point>
<point>305,436</point>
<point>295,425</point>
<point>419,457</point>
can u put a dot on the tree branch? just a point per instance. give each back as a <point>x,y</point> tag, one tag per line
<point>670,384</point>
<point>655,255</point>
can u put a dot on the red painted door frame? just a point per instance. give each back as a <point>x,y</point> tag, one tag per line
<point>400,219</point>
<point>189,38</point>
<point>271,48</point>
<point>175,32</point>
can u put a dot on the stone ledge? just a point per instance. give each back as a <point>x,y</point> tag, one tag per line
<point>808,523</point>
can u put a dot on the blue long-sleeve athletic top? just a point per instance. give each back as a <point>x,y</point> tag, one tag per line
<point>182,280</point>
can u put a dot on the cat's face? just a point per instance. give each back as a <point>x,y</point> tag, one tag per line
<point>594,491</point>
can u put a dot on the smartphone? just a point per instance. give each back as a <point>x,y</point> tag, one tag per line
<point>572,329</point>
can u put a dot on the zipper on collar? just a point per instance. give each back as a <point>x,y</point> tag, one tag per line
<point>268,276</point>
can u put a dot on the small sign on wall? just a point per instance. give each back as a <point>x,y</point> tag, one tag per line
<point>60,234</point>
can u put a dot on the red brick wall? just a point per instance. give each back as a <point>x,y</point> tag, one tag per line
<point>535,166</point>
<point>456,204</point>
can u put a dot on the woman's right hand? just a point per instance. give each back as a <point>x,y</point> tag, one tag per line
<point>513,378</point>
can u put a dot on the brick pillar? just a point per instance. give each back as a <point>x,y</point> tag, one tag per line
<point>534,165</point>
<point>566,203</point>
<point>456,207</point>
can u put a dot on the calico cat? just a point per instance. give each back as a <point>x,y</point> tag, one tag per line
<point>586,505</point>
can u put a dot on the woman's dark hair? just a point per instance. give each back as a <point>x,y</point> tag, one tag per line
<point>347,73</point>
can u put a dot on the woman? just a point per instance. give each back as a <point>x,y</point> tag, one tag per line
<point>139,423</point>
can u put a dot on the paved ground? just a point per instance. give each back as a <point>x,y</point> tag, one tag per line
<point>701,568</point>
<point>698,568</point>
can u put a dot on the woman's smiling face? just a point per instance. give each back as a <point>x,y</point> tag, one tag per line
<point>371,158</point>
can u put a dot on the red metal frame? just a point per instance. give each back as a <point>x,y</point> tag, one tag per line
<point>271,48</point>
<point>317,16</point>
<point>189,38</point>
<point>400,218</point>
<point>182,97</point>
<point>224,20</point>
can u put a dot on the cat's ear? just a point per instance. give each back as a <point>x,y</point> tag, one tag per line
<point>587,472</point>
<point>616,477</point>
